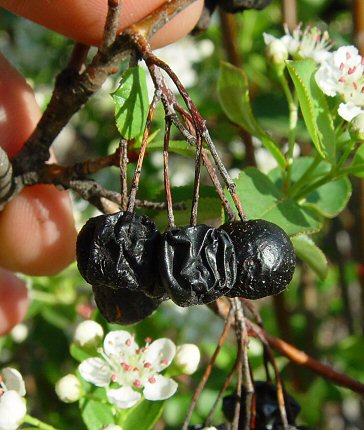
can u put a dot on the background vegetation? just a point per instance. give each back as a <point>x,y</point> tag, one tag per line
<point>324,317</point>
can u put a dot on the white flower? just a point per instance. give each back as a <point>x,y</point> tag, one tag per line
<point>68,389</point>
<point>187,358</point>
<point>12,404</point>
<point>88,334</point>
<point>342,74</point>
<point>131,369</point>
<point>308,43</point>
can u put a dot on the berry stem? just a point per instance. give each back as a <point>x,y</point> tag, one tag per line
<point>196,187</point>
<point>167,184</point>
<point>123,148</point>
<point>215,180</point>
<point>143,147</point>
<point>151,60</point>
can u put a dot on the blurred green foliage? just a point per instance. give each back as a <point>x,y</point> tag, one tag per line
<point>322,315</point>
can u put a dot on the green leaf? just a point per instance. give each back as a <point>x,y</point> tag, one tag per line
<point>314,107</point>
<point>262,199</point>
<point>233,93</point>
<point>358,162</point>
<point>330,199</point>
<point>131,103</point>
<point>96,414</point>
<point>311,254</point>
<point>143,416</point>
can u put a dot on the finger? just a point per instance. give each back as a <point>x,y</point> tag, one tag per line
<point>14,301</point>
<point>37,232</point>
<point>84,20</point>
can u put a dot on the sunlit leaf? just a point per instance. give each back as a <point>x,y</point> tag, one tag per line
<point>314,107</point>
<point>311,254</point>
<point>131,103</point>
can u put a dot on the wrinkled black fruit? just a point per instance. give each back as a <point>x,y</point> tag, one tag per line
<point>196,264</point>
<point>118,251</point>
<point>267,408</point>
<point>265,258</point>
<point>124,306</point>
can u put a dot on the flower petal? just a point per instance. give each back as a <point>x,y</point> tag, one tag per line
<point>13,380</point>
<point>160,353</point>
<point>348,111</point>
<point>12,410</point>
<point>124,397</point>
<point>119,341</point>
<point>162,388</point>
<point>96,371</point>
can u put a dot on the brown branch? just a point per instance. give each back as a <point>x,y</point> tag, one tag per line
<point>303,359</point>
<point>73,89</point>
<point>160,17</point>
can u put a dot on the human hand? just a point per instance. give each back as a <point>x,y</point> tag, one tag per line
<point>37,232</point>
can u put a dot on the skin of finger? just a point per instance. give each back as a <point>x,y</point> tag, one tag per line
<point>83,21</point>
<point>14,301</point>
<point>37,232</point>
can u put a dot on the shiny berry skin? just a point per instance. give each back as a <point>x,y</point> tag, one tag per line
<point>124,306</point>
<point>118,251</point>
<point>196,264</point>
<point>265,258</point>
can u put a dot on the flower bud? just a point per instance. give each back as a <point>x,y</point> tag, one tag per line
<point>277,52</point>
<point>187,358</point>
<point>68,389</point>
<point>88,334</point>
<point>356,128</point>
<point>19,333</point>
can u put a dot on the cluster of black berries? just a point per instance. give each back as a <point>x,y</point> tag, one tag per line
<point>133,268</point>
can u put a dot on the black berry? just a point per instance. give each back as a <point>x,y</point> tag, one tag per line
<point>118,251</point>
<point>197,264</point>
<point>265,258</point>
<point>266,407</point>
<point>124,306</point>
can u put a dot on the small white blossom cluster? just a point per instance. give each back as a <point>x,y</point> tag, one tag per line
<point>308,43</point>
<point>131,370</point>
<point>12,402</point>
<point>342,74</point>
